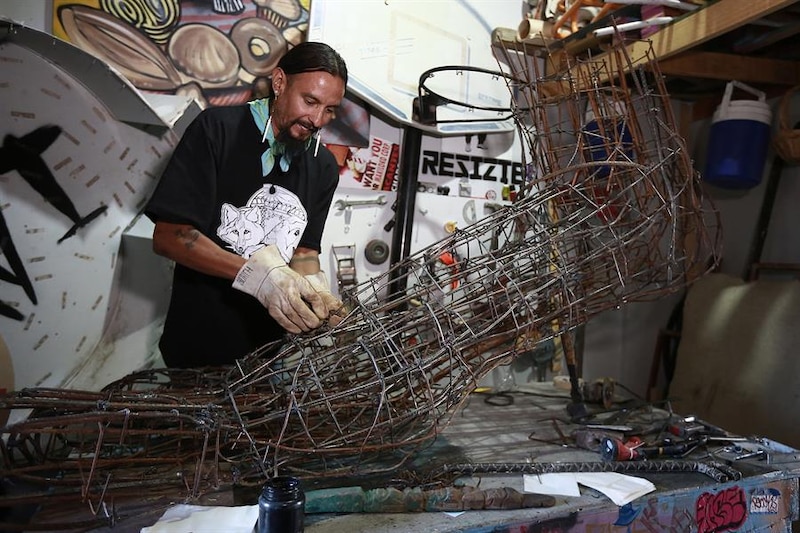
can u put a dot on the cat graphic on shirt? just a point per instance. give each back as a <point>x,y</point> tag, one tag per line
<point>273,215</point>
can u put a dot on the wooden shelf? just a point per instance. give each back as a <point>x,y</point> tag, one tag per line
<point>720,66</point>
<point>681,51</point>
<point>703,25</point>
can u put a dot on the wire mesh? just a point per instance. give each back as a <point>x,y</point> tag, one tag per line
<point>611,213</point>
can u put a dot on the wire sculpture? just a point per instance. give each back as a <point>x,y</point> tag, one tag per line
<point>611,213</point>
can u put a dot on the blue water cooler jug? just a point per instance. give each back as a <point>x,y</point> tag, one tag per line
<point>738,140</point>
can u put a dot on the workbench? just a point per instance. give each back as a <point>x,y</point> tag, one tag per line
<point>534,427</point>
<point>531,426</point>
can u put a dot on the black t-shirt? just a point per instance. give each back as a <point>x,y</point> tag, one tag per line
<point>214,182</point>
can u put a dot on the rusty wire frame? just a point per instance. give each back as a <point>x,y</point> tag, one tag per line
<point>612,213</point>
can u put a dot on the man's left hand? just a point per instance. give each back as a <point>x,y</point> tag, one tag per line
<point>334,306</point>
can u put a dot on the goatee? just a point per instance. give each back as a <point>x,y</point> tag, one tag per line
<point>293,146</point>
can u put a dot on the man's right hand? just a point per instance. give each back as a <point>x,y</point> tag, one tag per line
<point>286,294</point>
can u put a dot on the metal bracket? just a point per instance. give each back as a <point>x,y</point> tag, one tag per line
<point>345,257</point>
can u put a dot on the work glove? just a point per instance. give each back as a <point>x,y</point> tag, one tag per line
<point>334,306</point>
<point>285,293</point>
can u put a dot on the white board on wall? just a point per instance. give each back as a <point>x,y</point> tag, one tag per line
<point>389,44</point>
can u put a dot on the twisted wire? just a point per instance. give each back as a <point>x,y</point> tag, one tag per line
<point>611,213</point>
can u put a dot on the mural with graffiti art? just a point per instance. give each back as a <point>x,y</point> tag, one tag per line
<point>213,50</point>
<point>722,511</point>
<point>219,52</point>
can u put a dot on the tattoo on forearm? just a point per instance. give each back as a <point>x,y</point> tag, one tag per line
<point>189,237</point>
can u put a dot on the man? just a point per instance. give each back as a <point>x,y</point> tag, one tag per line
<point>241,207</point>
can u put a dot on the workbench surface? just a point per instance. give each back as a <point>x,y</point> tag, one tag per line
<point>532,426</point>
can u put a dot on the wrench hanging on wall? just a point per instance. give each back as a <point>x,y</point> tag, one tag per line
<point>347,206</point>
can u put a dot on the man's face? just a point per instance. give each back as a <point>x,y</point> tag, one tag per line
<point>304,103</point>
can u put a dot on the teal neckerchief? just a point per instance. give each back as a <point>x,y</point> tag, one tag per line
<point>260,111</point>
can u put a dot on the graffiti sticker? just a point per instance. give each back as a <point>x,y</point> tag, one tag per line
<point>765,501</point>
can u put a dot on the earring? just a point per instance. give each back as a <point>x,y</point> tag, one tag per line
<point>316,148</point>
<point>266,129</point>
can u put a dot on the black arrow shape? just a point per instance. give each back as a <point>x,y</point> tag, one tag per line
<point>20,276</point>
<point>25,156</point>
<point>10,312</point>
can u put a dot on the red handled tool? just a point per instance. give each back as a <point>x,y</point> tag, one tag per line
<point>632,450</point>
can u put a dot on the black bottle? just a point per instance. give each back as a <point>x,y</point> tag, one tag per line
<point>281,506</point>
